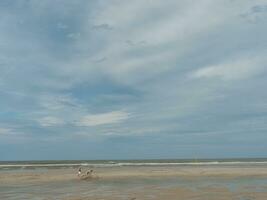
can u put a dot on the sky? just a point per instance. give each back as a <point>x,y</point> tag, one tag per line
<point>115,79</point>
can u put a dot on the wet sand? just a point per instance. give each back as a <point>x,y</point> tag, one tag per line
<point>133,183</point>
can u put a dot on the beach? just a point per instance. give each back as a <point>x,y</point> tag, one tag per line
<point>201,182</point>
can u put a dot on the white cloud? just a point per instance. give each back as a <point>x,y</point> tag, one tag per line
<point>103,118</point>
<point>177,24</point>
<point>50,121</point>
<point>4,131</point>
<point>233,70</point>
<point>169,37</point>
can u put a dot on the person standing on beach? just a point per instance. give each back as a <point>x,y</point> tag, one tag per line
<point>80,171</point>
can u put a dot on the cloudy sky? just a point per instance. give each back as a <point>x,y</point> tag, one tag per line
<point>115,79</point>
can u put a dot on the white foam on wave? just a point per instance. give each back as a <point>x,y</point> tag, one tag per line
<point>121,164</point>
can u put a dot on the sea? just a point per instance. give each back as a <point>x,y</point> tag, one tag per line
<point>9,165</point>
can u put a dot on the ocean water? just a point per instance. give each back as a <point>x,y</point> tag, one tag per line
<point>7,165</point>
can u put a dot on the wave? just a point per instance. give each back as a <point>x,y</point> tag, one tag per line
<point>121,164</point>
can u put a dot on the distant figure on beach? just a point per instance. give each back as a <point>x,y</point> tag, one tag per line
<point>80,171</point>
<point>89,173</point>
